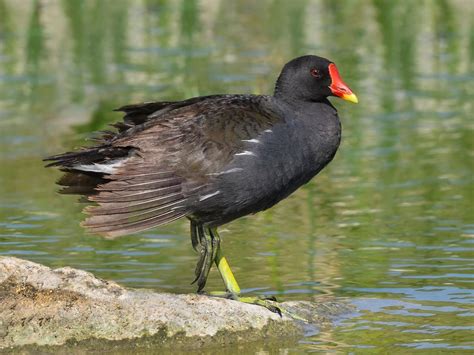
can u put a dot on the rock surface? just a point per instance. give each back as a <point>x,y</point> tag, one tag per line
<point>40,306</point>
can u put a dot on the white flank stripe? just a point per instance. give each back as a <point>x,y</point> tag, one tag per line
<point>205,197</point>
<point>251,140</point>
<point>246,152</point>
<point>233,170</point>
<point>100,168</point>
<point>268,131</point>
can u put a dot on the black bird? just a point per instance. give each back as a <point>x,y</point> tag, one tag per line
<point>211,159</point>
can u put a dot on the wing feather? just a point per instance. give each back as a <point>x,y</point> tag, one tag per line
<point>116,230</point>
<point>132,185</point>
<point>138,195</point>
<point>170,154</point>
<point>136,199</point>
<point>124,207</point>
<point>128,217</point>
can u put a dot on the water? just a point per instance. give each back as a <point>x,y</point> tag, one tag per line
<point>389,224</point>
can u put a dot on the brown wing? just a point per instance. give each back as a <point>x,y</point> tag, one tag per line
<point>137,198</point>
<point>175,154</point>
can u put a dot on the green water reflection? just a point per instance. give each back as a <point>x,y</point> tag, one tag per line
<point>388,224</point>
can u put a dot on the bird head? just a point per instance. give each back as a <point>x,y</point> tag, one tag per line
<point>312,78</point>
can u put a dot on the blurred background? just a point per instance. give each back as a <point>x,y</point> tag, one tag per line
<point>389,224</point>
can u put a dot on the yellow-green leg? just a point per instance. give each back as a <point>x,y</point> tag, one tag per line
<point>233,289</point>
<point>226,273</point>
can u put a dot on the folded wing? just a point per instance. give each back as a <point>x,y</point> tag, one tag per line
<point>161,161</point>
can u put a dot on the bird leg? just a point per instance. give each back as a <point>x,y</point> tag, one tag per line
<point>206,246</point>
<point>226,273</point>
<point>233,289</point>
<point>194,235</point>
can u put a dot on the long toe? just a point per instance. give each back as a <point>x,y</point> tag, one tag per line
<point>269,304</point>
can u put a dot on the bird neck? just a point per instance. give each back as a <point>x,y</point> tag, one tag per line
<point>304,108</point>
<point>287,90</point>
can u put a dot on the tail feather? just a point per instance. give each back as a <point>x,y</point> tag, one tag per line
<point>87,156</point>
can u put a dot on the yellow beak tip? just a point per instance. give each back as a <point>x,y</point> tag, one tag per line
<point>351,98</point>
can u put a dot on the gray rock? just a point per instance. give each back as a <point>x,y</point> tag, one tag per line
<point>43,307</point>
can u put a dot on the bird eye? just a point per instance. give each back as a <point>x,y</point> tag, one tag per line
<point>315,73</point>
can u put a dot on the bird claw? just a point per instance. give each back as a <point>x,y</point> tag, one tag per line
<point>263,301</point>
<point>274,309</point>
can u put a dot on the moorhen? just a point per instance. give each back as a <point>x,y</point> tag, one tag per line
<point>211,159</point>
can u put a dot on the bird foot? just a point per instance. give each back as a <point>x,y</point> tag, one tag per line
<point>269,302</point>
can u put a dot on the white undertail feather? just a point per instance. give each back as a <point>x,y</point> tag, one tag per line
<point>106,168</point>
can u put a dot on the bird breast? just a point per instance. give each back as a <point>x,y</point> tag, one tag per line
<point>272,166</point>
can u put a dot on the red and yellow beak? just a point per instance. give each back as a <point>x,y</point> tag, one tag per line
<point>338,87</point>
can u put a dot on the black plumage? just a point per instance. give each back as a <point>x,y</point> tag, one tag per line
<point>211,159</point>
